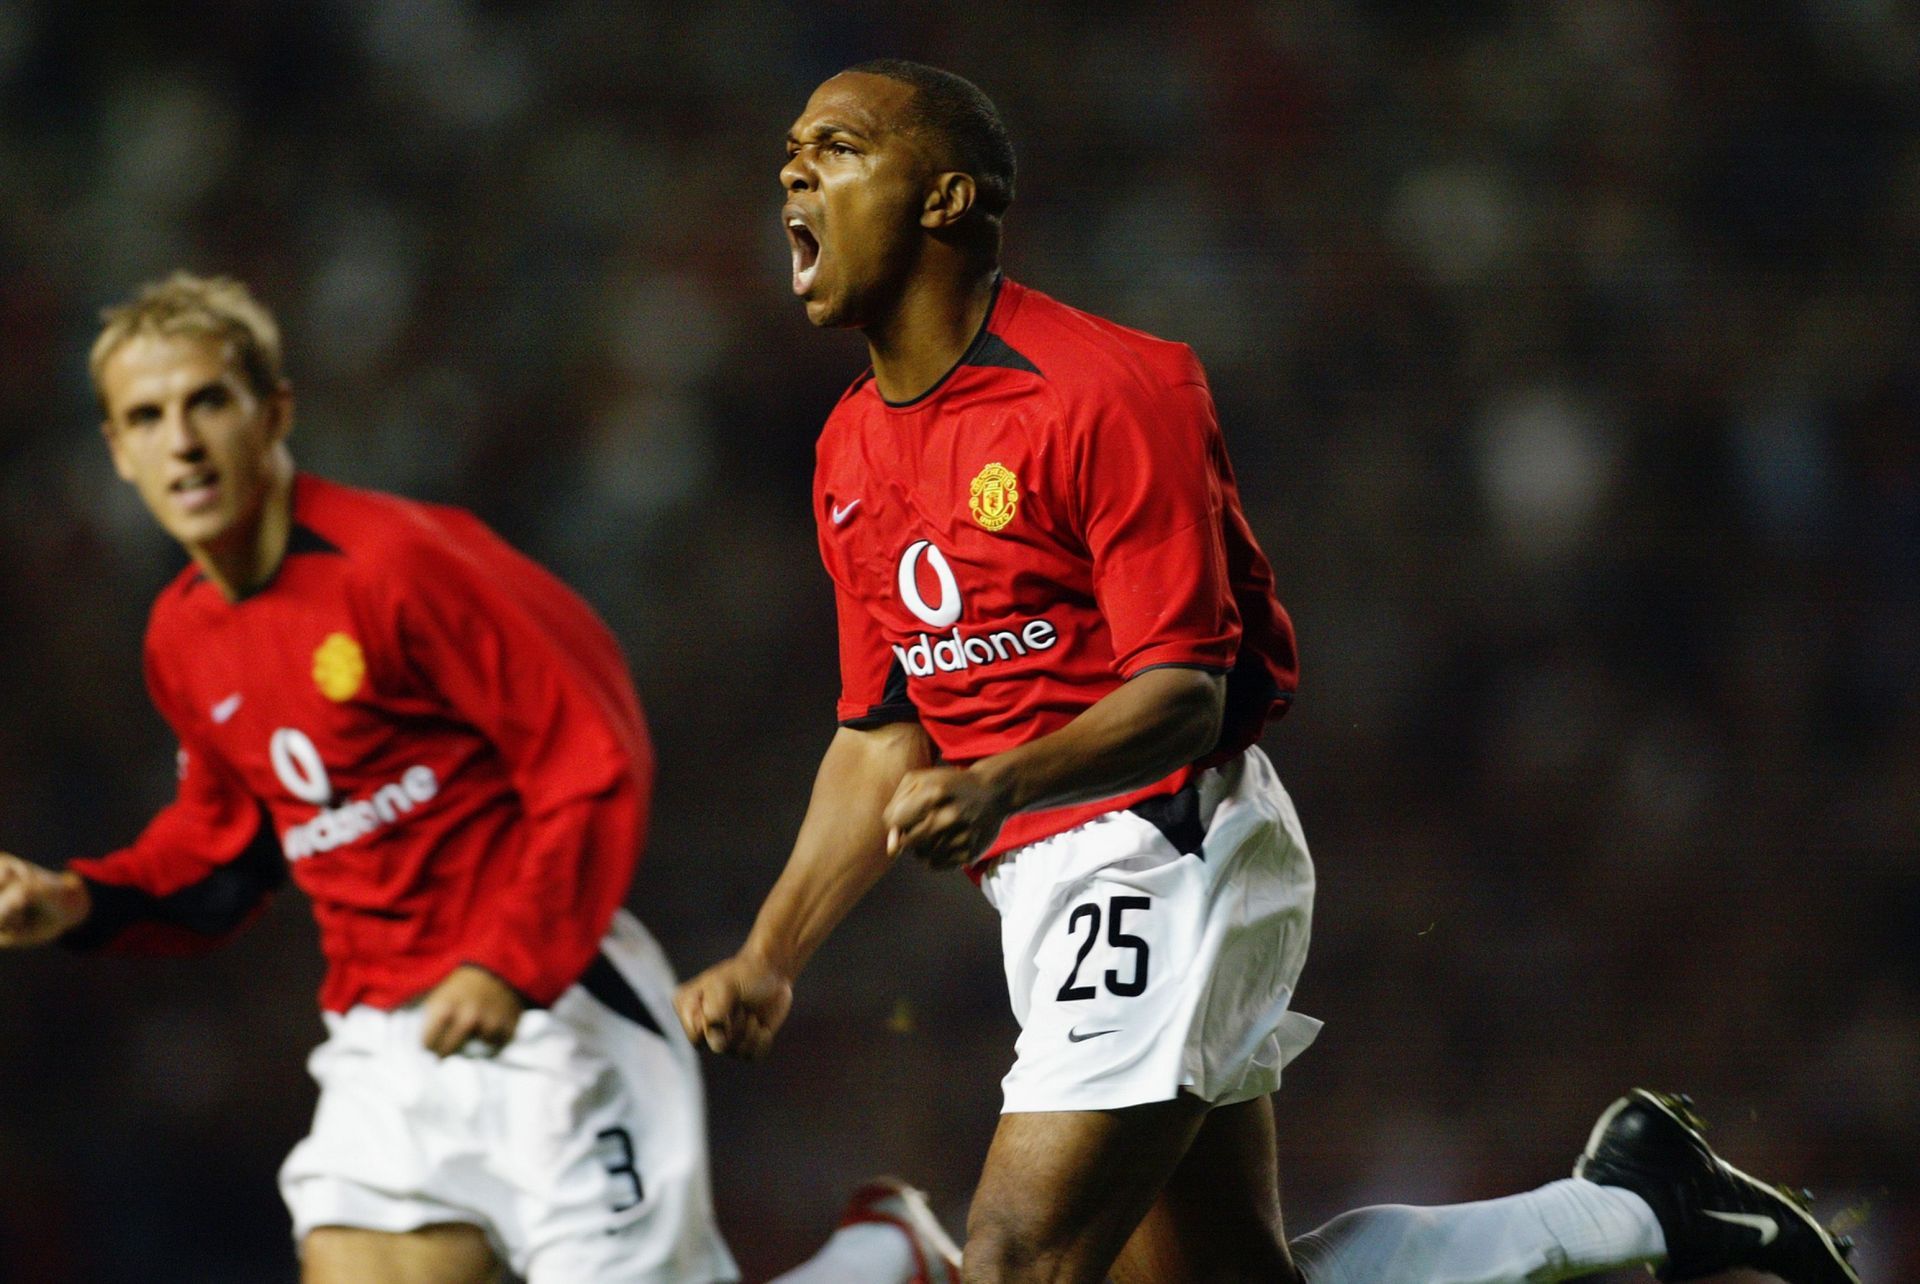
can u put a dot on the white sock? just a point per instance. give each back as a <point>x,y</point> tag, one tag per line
<point>864,1253</point>
<point>1568,1228</point>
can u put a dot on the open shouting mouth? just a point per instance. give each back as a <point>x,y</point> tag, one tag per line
<point>806,249</point>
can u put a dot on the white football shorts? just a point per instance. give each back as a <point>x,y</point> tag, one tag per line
<point>1155,950</point>
<point>580,1148</point>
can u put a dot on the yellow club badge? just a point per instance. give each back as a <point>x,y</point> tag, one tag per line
<point>995,497</point>
<point>339,667</point>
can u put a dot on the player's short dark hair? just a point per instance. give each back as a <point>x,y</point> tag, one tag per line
<point>956,111</point>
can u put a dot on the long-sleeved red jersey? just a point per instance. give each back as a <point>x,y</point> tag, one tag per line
<point>439,736</point>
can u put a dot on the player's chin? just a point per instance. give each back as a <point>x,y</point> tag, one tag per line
<point>824,311</point>
<point>197,528</point>
<point>830,309</point>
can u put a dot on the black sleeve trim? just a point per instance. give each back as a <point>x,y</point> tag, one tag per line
<point>895,704</point>
<point>1215,669</point>
<point>214,906</point>
<point>882,715</point>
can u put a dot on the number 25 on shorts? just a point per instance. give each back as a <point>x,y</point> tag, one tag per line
<point>1118,938</point>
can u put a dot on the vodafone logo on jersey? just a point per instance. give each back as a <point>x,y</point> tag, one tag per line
<point>297,762</point>
<point>298,765</point>
<point>948,611</point>
<point>957,650</point>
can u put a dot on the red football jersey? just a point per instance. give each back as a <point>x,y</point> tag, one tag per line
<point>442,738</point>
<point>1053,517</point>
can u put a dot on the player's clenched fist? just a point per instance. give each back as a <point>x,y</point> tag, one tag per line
<point>37,904</point>
<point>946,816</point>
<point>735,1006</point>
<point>472,1003</point>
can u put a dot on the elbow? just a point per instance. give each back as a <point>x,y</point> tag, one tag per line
<point>1198,711</point>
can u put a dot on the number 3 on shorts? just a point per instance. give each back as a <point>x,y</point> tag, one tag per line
<point>1089,913</point>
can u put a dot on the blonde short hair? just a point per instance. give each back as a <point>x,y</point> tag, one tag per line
<point>217,306</point>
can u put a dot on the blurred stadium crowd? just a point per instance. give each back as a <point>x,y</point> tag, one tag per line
<point>1568,353</point>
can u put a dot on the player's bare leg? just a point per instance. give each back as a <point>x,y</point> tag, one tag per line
<point>453,1253</point>
<point>1062,1192</point>
<point>1218,1218</point>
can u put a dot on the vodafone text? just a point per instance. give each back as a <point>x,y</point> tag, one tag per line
<point>957,651</point>
<point>340,825</point>
<point>298,764</point>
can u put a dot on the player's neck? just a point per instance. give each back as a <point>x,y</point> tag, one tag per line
<point>249,555</point>
<point>927,332</point>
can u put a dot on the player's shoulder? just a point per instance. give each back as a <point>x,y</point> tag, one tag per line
<point>1084,354</point>
<point>847,409</point>
<point>390,548</point>
<point>373,527</point>
<point>374,544</point>
<point>170,605</point>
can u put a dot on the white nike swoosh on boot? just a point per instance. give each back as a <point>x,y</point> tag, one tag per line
<point>1769,1228</point>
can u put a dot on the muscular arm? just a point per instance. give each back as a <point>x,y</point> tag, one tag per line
<point>1151,725</point>
<point>841,852</point>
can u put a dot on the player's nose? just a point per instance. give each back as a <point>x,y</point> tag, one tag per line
<point>797,174</point>
<point>183,435</point>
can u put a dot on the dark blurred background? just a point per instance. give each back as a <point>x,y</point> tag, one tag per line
<point>1567,353</point>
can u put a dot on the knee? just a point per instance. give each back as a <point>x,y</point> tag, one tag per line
<point>1007,1249</point>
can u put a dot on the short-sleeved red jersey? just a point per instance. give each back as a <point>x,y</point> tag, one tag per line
<point>442,738</point>
<point>1054,517</point>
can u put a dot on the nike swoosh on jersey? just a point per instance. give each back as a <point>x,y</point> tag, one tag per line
<point>227,708</point>
<point>1074,1036</point>
<point>842,512</point>
<point>1769,1228</point>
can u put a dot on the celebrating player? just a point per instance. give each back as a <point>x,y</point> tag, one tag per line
<point>1059,643</point>
<point>443,741</point>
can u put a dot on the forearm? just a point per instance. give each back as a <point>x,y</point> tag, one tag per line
<point>1150,726</point>
<point>841,850</point>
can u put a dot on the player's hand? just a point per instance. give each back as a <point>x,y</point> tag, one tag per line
<point>735,1006</point>
<point>37,904</point>
<point>945,816</point>
<point>472,1003</point>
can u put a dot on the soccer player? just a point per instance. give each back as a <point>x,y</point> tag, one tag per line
<point>443,742</point>
<point>1059,643</point>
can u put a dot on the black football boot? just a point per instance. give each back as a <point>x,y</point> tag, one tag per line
<point>1715,1217</point>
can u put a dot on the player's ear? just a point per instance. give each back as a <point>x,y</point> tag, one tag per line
<point>279,409</point>
<point>949,198</point>
<point>121,464</point>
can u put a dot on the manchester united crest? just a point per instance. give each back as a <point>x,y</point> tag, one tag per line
<point>995,497</point>
<point>339,667</point>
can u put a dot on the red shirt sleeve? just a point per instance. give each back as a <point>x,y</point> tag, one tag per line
<point>873,685</point>
<point>200,870</point>
<point>1150,500</point>
<point>514,654</point>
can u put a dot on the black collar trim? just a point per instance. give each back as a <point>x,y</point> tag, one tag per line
<point>970,357</point>
<point>301,539</point>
